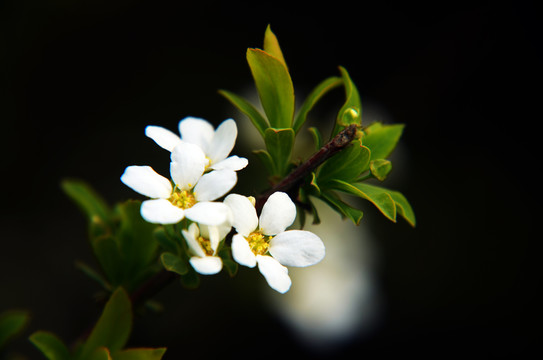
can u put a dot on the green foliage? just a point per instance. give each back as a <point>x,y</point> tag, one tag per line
<point>12,323</point>
<point>279,143</point>
<point>106,340</point>
<point>123,243</point>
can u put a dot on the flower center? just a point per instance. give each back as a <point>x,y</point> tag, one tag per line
<point>206,245</point>
<point>182,199</point>
<point>259,243</point>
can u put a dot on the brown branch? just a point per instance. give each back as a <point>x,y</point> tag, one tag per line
<point>294,179</point>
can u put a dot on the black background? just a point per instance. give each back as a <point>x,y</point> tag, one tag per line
<point>80,80</point>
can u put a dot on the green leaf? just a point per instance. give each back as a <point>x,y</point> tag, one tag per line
<point>140,354</point>
<point>342,207</point>
<point>190,280</point>
<point>50,345</point>
<point>382,139</point>
<point>12,323</point>
<point>165,241</point>
<point>345,165</point>
<point>87,199</point>
<point>316,94</point>
<point>101,353</point>
<point>113,327</point>
<point>107,252</point>
<point>91,273</point>
<point>271,46</point>
<point>260,123</point>
<point>279,143</point>
<point>266,160</point>
<point>137,244</point>
<point>403,207</point>
<point>174,263</point>
<point>376,195</point>
<point>317,137</point>
<point>380,168</point>
<point>274,86</point>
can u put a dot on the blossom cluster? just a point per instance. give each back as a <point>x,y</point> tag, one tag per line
<point>202,172</point>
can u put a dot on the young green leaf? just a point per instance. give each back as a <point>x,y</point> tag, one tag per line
<point>382,139</point>
<point>380,168</point>
<point>346,165</point>
<point>279,143</point>
<point>266,160</point>
<point>101,353</point>
<point>377,196</point>
<point>259,122</point>
<point>165,241</point>
<point>316,94</point>
<point>403,207</point>
<point>140,354</point>
<point>50,345</point>
<point>12,322</point>
<point>113,327</point>
<point>271,46</point>
<point>86,198</point>
<point>174,263</point>
<point>93,274</point>
<point>274,86</point>
<point>351,111</point>
<point>317,137</point>
<point>342,207</point>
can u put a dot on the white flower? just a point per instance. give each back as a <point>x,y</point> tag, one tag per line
<point>216,144</point>
<point>265,242</point>
<point>193,193</point>
<point>203,243</point>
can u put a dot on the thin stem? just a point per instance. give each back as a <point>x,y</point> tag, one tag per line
<point>294,179</point>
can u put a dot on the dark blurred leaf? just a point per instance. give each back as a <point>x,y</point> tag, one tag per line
<point>87,199</point>
<point>113,327</point>
<point>140,354</point>
<point>12,323</point>
<point>50,345</point>
<point>174,263</point>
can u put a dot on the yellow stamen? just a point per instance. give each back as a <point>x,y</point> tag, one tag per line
<point>182,199</point>
<point>206,245</point>
<point>259,243</point>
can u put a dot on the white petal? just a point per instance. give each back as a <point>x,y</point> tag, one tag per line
<point>196,131</point>
<point>223,141</point>
<point>188,165</point>
<point>161,211</point>
<point>208,213</point>
<point>241,251</point>
<point>278,213</point>
<point>218,230</point>
<point>146,181</point>
<point>233,163</point>
<point>190,236</point>
<point>276,274</point>
<point>163,137</point>
<point>215,184</point>
<point>297,248</point>
<point>208,265</point>
<point>244,218</point>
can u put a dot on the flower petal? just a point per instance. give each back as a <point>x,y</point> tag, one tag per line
<point>215,184</point>
<point>278,213</point>
<point>244,218</point>
<point>223,141</point>
<point>208,213</point>
<point>276,274</point>
<point>233,163</point>
<point>208,265</point>
<point>297,248</point>
<point>241,251</point>
<point>188,165</point>
<point>161,211</point>
<point>165,138</point>
<point>190,236</point>
<point>196,131</point>
<point>144,180</point>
